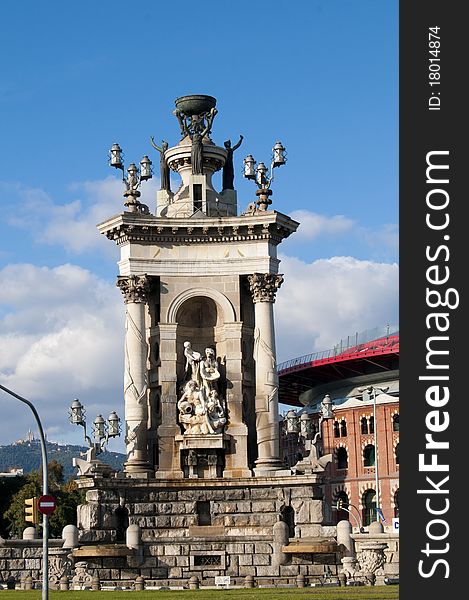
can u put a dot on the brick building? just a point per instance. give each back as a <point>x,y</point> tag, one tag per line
<point>362,381</point>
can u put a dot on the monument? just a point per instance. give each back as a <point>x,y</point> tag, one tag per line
<point>203,482</point>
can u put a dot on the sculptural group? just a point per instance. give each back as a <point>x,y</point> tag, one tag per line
<point>200,406</point>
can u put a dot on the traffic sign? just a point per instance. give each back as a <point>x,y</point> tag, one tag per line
<point>46,505</point>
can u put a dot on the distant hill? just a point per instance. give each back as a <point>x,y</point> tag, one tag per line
<point>27,455</point>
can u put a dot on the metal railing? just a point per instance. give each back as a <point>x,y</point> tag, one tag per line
<point>355,342</point>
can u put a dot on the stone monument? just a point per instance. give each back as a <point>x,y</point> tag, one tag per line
<point>203,473</point>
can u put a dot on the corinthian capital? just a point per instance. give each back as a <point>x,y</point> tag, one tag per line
<point>134,287</point>
<point>264,286</point>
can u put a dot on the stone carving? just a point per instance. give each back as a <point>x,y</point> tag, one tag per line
<point>228,169</point>
<point>164,167</point>
<point>200,407</point>
<point>371,558</point>
<point>59,565</point>
<point>134,287</point>
<point>264,286</point>
<point>82,577</point>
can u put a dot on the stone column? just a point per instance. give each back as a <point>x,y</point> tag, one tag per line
<point>263,287</point>
<point>135,289</point>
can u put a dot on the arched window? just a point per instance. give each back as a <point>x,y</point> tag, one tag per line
<point>288,515</point>
<point>372,425</point>
<point>364,425</point>
<point>369,507</point>
<point>336,429</point>
<point>395,422</point>
<point>342,458</point>
<point>396,504</point>
<point>369,456</point>
<point>343,428</point>
<point>342,500</point>
<point>396,452</point>
<point>121,515</point>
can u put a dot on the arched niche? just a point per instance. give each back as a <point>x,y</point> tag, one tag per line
<point>200,315</point>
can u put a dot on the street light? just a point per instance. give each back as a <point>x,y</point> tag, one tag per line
<point>302,426</point>
<point>134,178</point>
<point>357,517</point>
<point>101,431</point>
<point>260,174</point>
<point>45,484</point>
<point>372,391</point>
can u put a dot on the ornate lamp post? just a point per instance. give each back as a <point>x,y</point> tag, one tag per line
<point>372,391</point>
<point>302,426</point>
<point>134,178</point>
<point>101,431</point>
<point>260,174</point>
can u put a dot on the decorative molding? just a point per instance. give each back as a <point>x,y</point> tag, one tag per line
<point>264,286</point>
<point>135,288</point>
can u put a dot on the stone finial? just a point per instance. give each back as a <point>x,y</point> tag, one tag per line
<point>264,286</point>
<point>135,288</point>
<point>70,536</point>
<point>29,533</point>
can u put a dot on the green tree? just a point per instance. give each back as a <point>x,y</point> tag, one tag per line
<point>68,497</point>
<point>9,486</point>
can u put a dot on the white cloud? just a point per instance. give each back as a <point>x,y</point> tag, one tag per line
<point>313,224</point>
<point>72,225</point>
<point>61,337</point>
<point>328,299</point>
<point>383,240</point>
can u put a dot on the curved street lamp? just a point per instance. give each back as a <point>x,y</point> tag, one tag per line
<point>45,477</point>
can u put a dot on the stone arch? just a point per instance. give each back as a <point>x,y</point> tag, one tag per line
<point>227,310</point>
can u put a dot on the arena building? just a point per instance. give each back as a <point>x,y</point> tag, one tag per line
<point>361,377</point>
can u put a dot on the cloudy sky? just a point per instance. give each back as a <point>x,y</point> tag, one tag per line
<point>77,77</point>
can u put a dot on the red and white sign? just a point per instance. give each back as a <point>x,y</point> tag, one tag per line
<point>46,505</point>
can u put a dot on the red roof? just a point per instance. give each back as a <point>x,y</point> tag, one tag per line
<point>298,375</point>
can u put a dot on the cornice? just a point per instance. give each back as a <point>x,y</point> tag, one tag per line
<point>137,228</point>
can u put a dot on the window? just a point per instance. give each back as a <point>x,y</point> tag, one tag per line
<point>288,515</point>
<point>343,428</point>
<point>203,512</point>
<point>369,507</point>
<point>395,422</point>
<point>372,425</point>
<point>396,453</point>
<point>336,429</point>
<point>369,456</point>
<point>121,515</point>
<point>197,196</point>
<point>342,458</point>
<point>364,425</point>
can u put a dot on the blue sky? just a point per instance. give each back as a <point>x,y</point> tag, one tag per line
<point>321,76</point>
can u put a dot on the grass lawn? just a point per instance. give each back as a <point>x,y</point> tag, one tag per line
<point>349,593</point>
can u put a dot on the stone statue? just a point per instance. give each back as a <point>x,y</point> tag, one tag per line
<point>199,127</point>
<point>200,407</point>
<point>164,168</point>
<point>192,362</point>
<point>228,169</point>
<point>209,370</point>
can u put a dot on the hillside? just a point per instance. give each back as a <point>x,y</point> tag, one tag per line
<point>27,455</point>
